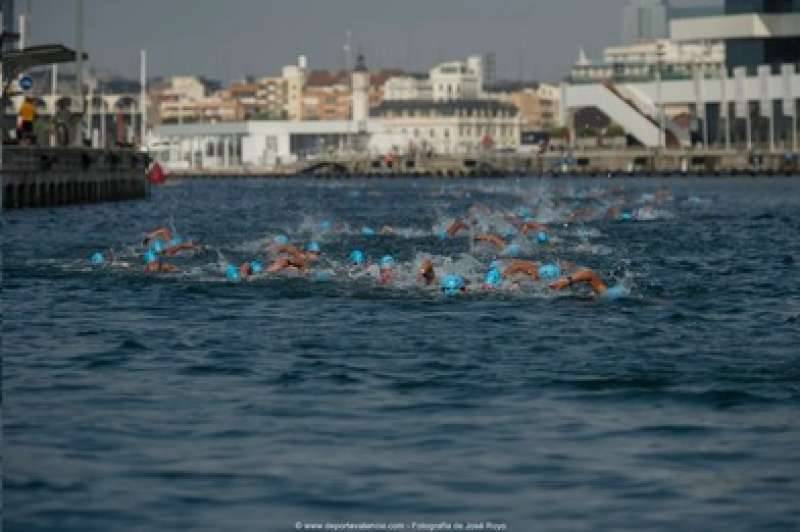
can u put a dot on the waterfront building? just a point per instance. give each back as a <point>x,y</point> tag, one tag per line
<point>538,103</point>
<point>756,32</point>
<point>638,62</point>
<point>668,107</point>
<point>444,127</point>
<point>452,80</point>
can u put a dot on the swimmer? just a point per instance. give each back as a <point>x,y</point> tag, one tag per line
<point>452,285</point>
<point>160,233</point>
<point>248,269</point>
<point>534,270</point>
<point>587,276</point>
<point>522,267</point>
<point>295,260</point>
<point>454,228</point>
<point>425,273</point>
<point>527,227</point>
<point>176,245</point>
<point>493,278</point>
<point>101,258</point>
<point>494,240</point>
<point>386,274</point>
<point>152,264</point>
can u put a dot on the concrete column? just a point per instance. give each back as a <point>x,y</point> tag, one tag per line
<point>226,152</point>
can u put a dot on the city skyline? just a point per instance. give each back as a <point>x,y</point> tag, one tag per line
<point>256,37</point>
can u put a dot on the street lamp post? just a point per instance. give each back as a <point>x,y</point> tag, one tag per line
<point>659,97</point>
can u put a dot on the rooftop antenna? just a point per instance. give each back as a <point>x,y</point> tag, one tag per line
<point>348,51</point>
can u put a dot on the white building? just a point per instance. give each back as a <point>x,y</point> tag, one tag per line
<point>453,80</point>
<point>638,62</point>
<point>444,127</point>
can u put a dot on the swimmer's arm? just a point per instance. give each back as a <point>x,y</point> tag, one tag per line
<point>522,267</point>
<point>455,227</point>
<point>531,226</point>
<point>168,268</point>
<point>495,240</point>
<point>584,276</point>
<point>162,232</point>
<point>279,264</point>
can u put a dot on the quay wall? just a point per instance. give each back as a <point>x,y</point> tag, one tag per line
<point>49,177</point>
<point>600,163</point>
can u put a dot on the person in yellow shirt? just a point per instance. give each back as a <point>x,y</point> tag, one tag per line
<point>27,114</point>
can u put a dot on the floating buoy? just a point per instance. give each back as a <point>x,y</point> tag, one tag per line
<point>156,174</point>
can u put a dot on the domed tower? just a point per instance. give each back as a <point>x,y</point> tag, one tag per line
<point>360,94</point>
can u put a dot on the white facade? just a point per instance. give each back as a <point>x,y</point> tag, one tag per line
<point>407,88</point>
<point>360,97</point>
<point>744,26</point>
<point>454,80</point>
<point>666,51</point>
<point>444,127</point>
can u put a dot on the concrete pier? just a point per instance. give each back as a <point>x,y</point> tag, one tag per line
<point>49,177</point>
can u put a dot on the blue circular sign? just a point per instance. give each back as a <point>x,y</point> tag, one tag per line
<point>25,83</point>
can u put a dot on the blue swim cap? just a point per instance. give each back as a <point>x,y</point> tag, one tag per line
<point>157,246</point>
<point>232,272</point>
<point>512,250</point>
<point>452,284</point>
<point>542,237</point>
<point>523,212</point>
<point>387,261</point>
<point>256,266</point>
<point>616,292</point>
<point>549,272</point>
<point>150,256</point>
<point>281,240</point>
<point>442,235</point>
<point>175,241</point>
<point>367,231</point>
<point>325,225</point>
<point>626,217</point>
<point>357,257</point>
<point>97,258</point>
<point>493,278</point>
<point>313,247</point>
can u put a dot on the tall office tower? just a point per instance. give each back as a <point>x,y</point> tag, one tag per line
<point>645,20</point>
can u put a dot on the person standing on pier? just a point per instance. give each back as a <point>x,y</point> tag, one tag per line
<point>27,114</point>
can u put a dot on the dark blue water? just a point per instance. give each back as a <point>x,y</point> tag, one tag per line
<point>185,402</point>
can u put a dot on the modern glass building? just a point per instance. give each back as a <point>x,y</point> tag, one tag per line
<point>644,20</point>
<point>756,32</point>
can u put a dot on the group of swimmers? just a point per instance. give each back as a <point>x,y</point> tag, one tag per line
<point>505,270</point>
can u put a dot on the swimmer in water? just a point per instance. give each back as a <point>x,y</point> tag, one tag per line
<point>153,264</point>
<point>177,245</point>
<point>587,276</point>
<point>248,269</point>
<point>425,273</point>
<point>386,273</point>
<point>527,227</point>
<point>160,233</point>
<point>293,259</point>
<point>495,240</point>
<point>452,285</point>
<point>457,226</point>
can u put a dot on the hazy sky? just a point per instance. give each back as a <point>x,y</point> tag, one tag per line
<point>228,39</point>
